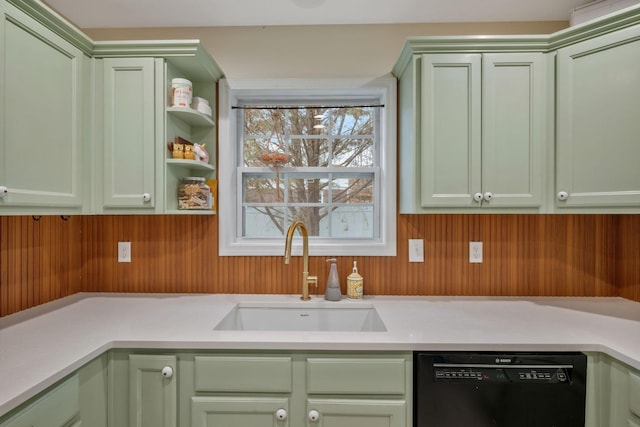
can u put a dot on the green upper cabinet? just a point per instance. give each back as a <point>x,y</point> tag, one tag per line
<point>43,85</point>
<point>129,136</point>
<point>450,139</point>
<point>472,132</point>
<point>136,123</point>
<point>86,125</point>
<point>598,122</point>
<point>513,129</point>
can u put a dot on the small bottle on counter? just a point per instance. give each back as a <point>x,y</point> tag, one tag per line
<point>333,283</point>
<point>355,283</point>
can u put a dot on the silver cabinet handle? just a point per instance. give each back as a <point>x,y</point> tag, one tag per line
<point>563,195</point>
<point>3,191</point>
<point>477,197</point>
<point>281,414</point>
<point>167,372</point>
<point>146,197</point>
<point>314,415</point>
<point>488,196</point>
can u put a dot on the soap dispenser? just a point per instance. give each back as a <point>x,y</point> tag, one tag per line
<point>333,283</point>
<point>354,284</point>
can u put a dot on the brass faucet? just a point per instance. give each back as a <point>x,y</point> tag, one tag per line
<point>306,279</point>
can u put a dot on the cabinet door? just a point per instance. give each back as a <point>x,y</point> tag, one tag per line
<point>153,397</point>
<point>41,88</point>
<point>216,411</point>
<point>59,407</point>
<point>634,393</point>
<point>129,133</point>
<point>450,130</point>
<point>513,128</point>
<point>356,413</point>
<point>598,107</point>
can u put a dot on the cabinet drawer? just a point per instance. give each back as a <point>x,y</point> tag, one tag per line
<point>241,411</point>
<point>243,374</point>
<point>634,393</point>
<point>356,376</point>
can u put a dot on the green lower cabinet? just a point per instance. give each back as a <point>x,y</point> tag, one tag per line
<point>58,407</point>
<point>248,411</point>
<point>297,389</point>
<point>356,413</point>
<point>634,399</point>
<point>613,393</point>
<point>153,398</point>
<point>359,390</point>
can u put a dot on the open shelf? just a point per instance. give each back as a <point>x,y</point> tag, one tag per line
<point>191,117</point>
<point>191,164</point>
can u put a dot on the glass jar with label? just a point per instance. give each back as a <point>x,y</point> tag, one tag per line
<point>193,193</point>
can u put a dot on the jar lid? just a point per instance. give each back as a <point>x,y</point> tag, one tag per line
<point>178,80</point>
<point>194,178</point>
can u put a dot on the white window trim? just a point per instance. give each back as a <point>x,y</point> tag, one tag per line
<point>233,90</point>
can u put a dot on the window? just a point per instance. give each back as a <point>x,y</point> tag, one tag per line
<point>315,151</point>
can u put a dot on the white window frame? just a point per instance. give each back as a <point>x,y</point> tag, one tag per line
<point>234,91</point>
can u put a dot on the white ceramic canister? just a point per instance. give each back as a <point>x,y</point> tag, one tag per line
<point>181,93</point>
<point>197,101</point>
<point>201,105</point>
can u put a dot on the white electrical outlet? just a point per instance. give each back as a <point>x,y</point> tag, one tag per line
<point>475,252</point>
<point>124,251</point>
<point>416,250</point>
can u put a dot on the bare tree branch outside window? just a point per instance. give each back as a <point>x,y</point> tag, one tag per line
<point>327,180</point>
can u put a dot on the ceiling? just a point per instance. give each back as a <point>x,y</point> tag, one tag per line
<point>190,13</point>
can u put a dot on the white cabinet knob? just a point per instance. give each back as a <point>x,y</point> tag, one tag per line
<point>167,372</point>
<point>314,415</point>
<point>3,191</point>
<point>281,414</point>
<point>563,195</point>
<point>146,197</point>
<point>477,197</point>
<point>488,196</point>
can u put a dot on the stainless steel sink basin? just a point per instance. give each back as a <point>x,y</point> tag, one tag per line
<point>305,316</point>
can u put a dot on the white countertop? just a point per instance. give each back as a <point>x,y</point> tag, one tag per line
<point>42,345</point>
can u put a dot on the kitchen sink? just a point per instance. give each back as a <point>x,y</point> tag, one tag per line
<point>307,316</point>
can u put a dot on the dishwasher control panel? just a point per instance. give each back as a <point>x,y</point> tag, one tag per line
<point>502,374</point>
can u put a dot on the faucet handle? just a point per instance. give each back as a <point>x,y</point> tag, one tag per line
<point>313,279</point>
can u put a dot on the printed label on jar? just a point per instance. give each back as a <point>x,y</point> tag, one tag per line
<point>181,93</point>
<point>354,289</point>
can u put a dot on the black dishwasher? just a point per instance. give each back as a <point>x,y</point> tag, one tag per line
<point>495,389</point>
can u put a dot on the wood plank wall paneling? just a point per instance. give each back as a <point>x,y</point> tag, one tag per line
<point>524,255</point>
<point>628,278</point>
<point>40,261</point>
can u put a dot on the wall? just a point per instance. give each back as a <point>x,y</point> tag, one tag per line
<point>524,255</point>
<point>40,261</point>
<point>321,51</point>
<point>628,271</point>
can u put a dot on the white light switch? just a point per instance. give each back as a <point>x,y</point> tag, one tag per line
<point>416,250</point>
<point>124,251</point>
